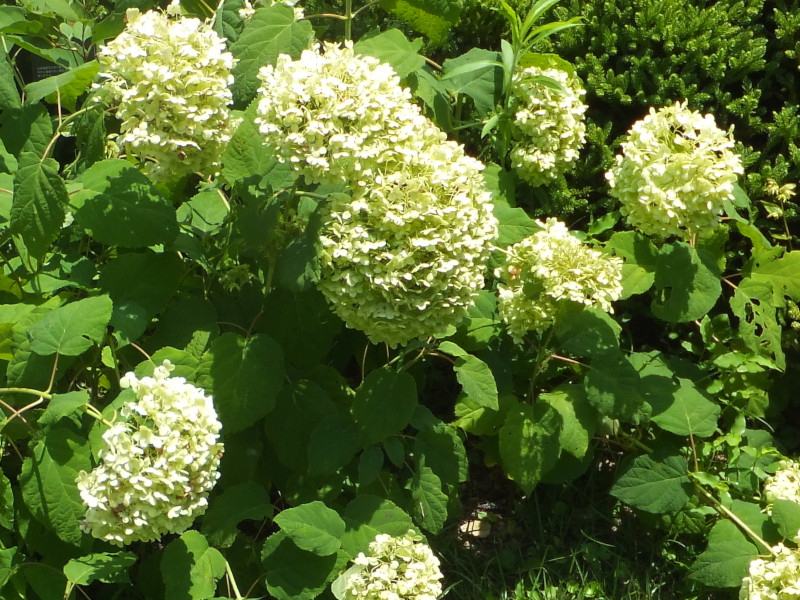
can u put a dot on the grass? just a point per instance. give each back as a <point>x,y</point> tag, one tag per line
<point>570,541</point>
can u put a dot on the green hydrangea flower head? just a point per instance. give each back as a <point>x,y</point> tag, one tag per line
<point>548,270</point>
<point>676,170</point>
<point>404,256</point>
<point>774,578</point>
<point>157,465</point>
<point>548,128</point>
<point>396,568</point>
<point>784,484</point>
<point>339,117</point>
<point>168,81</point>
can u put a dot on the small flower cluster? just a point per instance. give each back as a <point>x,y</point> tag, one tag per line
<point>784,484</point>
<point>548,128</point>
<point>248,10</point>
<point>548,269</point>
<point>157,466</point>
<point>168,79</point>
<point>676,170</point>
<point>397,568</point>
<point>776,578</point>
<point>405,245</point>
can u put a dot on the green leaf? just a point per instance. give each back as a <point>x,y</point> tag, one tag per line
<point>514,225</point>
<point>140,286</point>
<point>687,283</point>
<point>639,256</point>
<point>63,405</point>
<point>587,332</point>
<point>271,31</point>
<point>48,482</point>
<point>366,516</point>
<point>725,561</point>
<point>384,404</point>
<point>6,505</point>
<point>190,568</point>
<point>685,411</point>
<point>392,47</point>
<point>124,208</point>
<point>9,95</point>
<point>244,376</point>
<point>245,157</point>
<point>430,502</point>
<point>39,205</point>
<point>312,527</point>
<point>579,419</point>
<point>298,267</point>
<point>655,483</point>
<point>26,129</point>
<point>786,515</point>
<point>529,445</point>
<point>781,274</point>
<point>205,212</point>
<point>484,85</point>
<point>333,443</point>
<point>477,381</point>
<point>613,386</point>
<point>292,573</point>
<point>758,325</point>
<point>73,328</point>
<point>108,567</point>
<point>243,502</point>
<point>369,465</point>
<point>66,87</point>
<point>8,558</point>
<point>433,18</point>
<point>443,451</point>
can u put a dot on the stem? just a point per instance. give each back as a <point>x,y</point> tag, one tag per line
<point>730,514</point>
<point>232,581</point>
<point>348,20</point>
<point>325,16</point>
<point>29,391</point>
<point>366,6</point>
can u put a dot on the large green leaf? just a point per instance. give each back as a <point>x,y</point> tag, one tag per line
<point>271,31</point>
<point>430,502</point>
<point>48,482</point>
<point>529,445</point>
<point>639,255</point>
<point>393,47</point>
<point>39,205</point>
<point>292,573</point>
<point>140,286</point>
<point>613,386</point>
<point>786,515</point>
<point>384,404</point>
<point>781,274</point>
<point>434,18</point>
<point>752,304</point>
<point>655,483</point>
<point>108,567</point>
<point>313,527</point>
<point>333,444</point>
<point>443,451</point>
<point>73,328</point>
<point>9,95</point>
<point>474,375</point>
<point>65,87</point>
<point>190,568</point>
<point>685,411</point>
<point>687,283</point>
<point>725,561</point>
<point>366,516</point>
<point>579,419</point>
<point>587,331</point>
<point>243,502</point>
<point>124,208</point>
<point>484,84</point>
<point>26,129</point>
<point>244,375</point>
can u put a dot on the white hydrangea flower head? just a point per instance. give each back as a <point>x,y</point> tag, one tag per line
<point>775,578</point>
<point>784,484</point>
<point>339,117</point>
<point>157,465</point>
<point>396,568</point>
<point>404,256</point>
<point>168,80</point>
<point>676,170</point>
<point>548,269</point>
<point>248,9</point>
<point>548,129</point>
